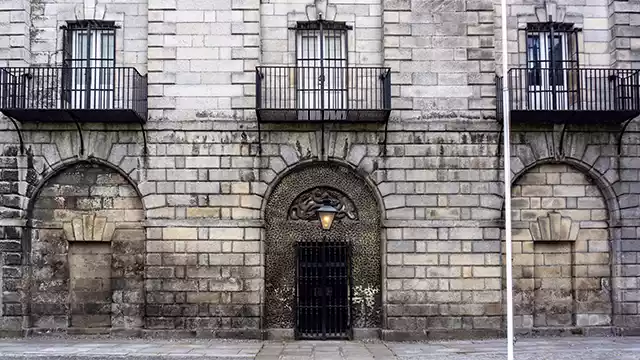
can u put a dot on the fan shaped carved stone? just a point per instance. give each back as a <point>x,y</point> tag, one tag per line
<point>89,227</point>
<point>554,227</point>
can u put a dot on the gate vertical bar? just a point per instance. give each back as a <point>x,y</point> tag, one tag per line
<point>323,286</point>
<point>317,303</point>
<point>296,291</point>
<point>331,309</point>
<point>339,296</point>
<point>349,250</point>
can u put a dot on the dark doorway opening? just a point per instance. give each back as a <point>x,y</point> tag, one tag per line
<point>323,306</point>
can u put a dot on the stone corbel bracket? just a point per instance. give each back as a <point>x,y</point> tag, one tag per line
<point>559,132</point>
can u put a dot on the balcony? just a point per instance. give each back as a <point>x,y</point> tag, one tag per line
<point>73,94</point>
<point>334,94</point>
<point>571,96</point>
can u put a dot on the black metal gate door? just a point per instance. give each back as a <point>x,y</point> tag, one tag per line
<point>323,290</point>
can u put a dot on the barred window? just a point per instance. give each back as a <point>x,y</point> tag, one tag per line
<point>551,48</point>
<point>321,62</point>
<point>89,62</point>
<point>552,63</point>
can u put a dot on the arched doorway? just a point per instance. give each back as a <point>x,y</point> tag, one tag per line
<point>86,252</point>
<point>295,297</point>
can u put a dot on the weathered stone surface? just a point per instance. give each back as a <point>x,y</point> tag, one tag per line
<point>89,259</point>
<point>559,248</point>
<point>434,174</point>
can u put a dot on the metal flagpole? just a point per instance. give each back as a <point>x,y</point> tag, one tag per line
<point>507,180</point>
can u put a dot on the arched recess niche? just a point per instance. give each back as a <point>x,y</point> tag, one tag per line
<point>86,250</point>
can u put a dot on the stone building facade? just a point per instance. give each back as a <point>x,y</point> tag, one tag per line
<point>181,216</point>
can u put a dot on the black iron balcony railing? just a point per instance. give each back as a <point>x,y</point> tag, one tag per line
<point>340,94</point>
<point>84,94</point>
<point>570,95</point>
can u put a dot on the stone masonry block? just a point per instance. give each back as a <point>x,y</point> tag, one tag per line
<point>180,233</point>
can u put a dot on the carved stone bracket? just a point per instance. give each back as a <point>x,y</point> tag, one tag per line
<point>559,134</point>
<point>89,227</point>
<point>550,11</point>
<point>305,205</point>
<point>554,227</point>
<point>321,10</point>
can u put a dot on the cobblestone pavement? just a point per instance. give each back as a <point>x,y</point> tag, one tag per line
<point>526,349</point>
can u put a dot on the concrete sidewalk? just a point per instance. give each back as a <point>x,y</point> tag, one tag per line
<point>73,348</point>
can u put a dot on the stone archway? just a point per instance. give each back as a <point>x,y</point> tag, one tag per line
<point>561,250</point>
<point>290,217</point>
<point>86,252</point>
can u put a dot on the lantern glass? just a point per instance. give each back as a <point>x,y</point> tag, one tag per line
<point>327,220</point>
<point>326,214</point>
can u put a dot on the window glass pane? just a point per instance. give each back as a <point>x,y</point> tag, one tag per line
<point>107,49</point>
<point>80,47</point>
<point>105,63</point>
<point>533,48</point>
<point>533,54</point>
<point>558,51</point>
<point>308,47</point>
<point>556,57</point>
<point>334,47</point>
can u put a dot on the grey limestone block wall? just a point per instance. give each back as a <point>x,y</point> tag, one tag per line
<point>624,33</point>
<point>442,55</point>
<point>15,41</point>
<point>206,175</point>
<point>45,17</point>
<point>440,228</point>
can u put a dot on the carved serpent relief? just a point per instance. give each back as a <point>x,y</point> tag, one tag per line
<point>305,205</point>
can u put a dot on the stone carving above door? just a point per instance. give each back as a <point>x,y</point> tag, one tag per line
<point>305,205</point>
<point>89,227</point>
<point>554,227</point>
